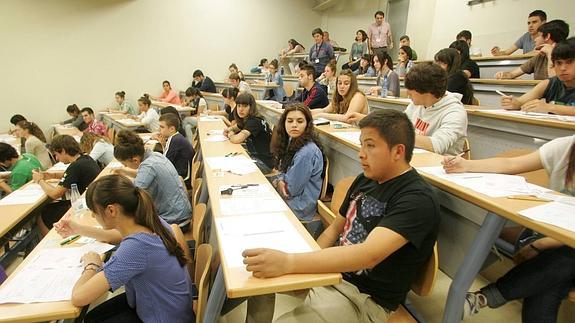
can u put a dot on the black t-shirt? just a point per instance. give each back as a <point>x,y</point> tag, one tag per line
<point>472,67</point>
<point>80,172</point>
<point>231,113</point>
<point>459,83</point>
<point>315,98</point>
<point>557,92</point>
<point>258,142</point>
<point>406,205</point>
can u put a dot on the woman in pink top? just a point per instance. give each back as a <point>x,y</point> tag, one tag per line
<point>169,95</point>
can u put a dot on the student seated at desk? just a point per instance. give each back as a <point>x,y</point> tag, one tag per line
<point>168,95</point>
<point>233,68</point>
<point>238,83</point>
<point>253,130</point>
<point>229,112</point>
<point>466,35</point>
<point>274,77</point>
<point>76,119</point>
<point>527,41</point>
<point>92,124</point>
<point>468,66</point>
<point>327,78</point>
<point>546,267</point>
<point>555,95</point>
<point>386,76</point>
<point>405,41</point>
<point>346,99</point>
<point>176,147</point>
<point>358,49</point>
<point>174,111</point>
<point>540,65</point>
<point>194,99</point>
<point>97,147</point>
<point>313,95</point>
<point>155,173</point>
<point>148,115</point>
<point>149,262</point>
<point>122,105</point>
<point>404,60</point>
<point>262,68</point>
<point>457,82</point>
<point>384,233</point>
<point>35,142</point>
<point>203,83</point>
<point>81,171</point>
<point>20,167</point>
<point>365,68</point>
<point>299,159</point>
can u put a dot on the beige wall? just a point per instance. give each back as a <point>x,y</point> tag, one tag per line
<point>57,52</point>
<point>433,24</point>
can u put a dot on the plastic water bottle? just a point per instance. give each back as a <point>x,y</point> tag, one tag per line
<point>384,87</point>
<point>75,199</point>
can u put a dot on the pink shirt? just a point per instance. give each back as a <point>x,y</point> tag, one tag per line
<point>170,97</point>
<point>378,35</point>
<point>97,127</point>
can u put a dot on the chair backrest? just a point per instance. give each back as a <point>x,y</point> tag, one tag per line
<point>203,262</point>
<point>325,182</point>
<point>339,193</point>
<point>466,147</point>
<point>112,135</point>
<point>537,177</point>
<point>196,190</point>
<point>288,88</point>
<point>179,235</point>
<point>423,284</point>
<point>198,223</point>
<point>196,167</point>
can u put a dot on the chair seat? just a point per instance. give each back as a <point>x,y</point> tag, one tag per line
<point>401,315</point>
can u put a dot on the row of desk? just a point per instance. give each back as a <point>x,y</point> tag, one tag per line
<point>471,222</point>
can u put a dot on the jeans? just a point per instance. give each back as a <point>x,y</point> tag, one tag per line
<point>542,282</point>
<point>190,124</point>
<point>113,310</point>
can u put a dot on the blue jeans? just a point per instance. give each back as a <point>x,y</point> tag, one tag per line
<point>542,282</point>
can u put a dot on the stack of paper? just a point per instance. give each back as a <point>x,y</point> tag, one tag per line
<point>352,136</point>
<point>216,138</point>
<point>29,194</point>
<point>493,185</point>
<point>239,165</point>
<point>273,231</point>
<point>554,213</point>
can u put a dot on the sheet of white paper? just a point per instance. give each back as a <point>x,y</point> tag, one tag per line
<point>59,167</point>
<point>216,132</point>
<point>420,151</point>
<point>239,165</point>
<point>26,195</point>
<point>209,118</point>
<point>352,136</point>
<point>271,230</point>
<point>251,205</point>
<point>320,121</point>
<point>534,115</point>
<point>216,138</point>
<point>128,121</point>
<point>115,164</point>
<point>554,213</point>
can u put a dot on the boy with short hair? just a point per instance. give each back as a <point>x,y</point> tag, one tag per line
<point>93,125</point>
<point>203,83</point>
<point>176,147</point>
<point>242,86</point>
<point>555,95</point>
<point>466,35</point>
<point>527,41</point>
<point>20,166</point>
<point>405,41</point>
<point>313,94</point>
<point>548,34</point>
<point>438,116</point>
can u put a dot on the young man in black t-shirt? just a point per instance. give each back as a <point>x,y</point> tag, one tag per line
<point>81,171</point>
<point>385,233</point>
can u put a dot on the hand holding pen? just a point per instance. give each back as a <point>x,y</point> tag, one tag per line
<point>455,164</point>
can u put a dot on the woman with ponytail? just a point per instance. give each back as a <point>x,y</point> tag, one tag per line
<point>545,268</point>
<point>35,142</point>
<point>149,262</point>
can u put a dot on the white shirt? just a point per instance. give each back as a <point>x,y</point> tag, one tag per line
<point>151,120</point>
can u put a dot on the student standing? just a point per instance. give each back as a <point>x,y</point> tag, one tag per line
<point>148,115</point>
<point>81,172</point>
<point>168,94</point>
<point>346,99</point>
<point>527,41</point>
<point>176,147</point>
<point>320,53</point>
<point>203,83</point>
<point>20,167</point>
<point>97,147</point>
<point>155,173</point>
<point>313,95</point>
<point>358,49</point>
<point>379,36</point>
<point>93,125</point>
<point>299,159</point>
<point>149,262</point>
<point>76,119</point>
<point>555,95</point>
<point>253,130</point>
<point>381,238</point>
<point>386,76</point>
<point>468,66</point>
<point>548,34</point>
<point>457,82</point>
<point>35,142</point>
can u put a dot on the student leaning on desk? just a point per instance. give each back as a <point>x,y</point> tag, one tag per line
<point>149,262</point>
<point>546,268</point>
<point>20,167</point>
<point>385,231</point>
<point>555,95</point>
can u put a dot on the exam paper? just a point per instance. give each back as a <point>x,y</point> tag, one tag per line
<point>29,194</point>
<point>239,165</point>
<point>555,213</point>
<point>251,205</point>
<point>128,121</point>
<point>216,138</point>
<point>352,136</point>
<point>534,115</point>
<point>58,167</point>
<point>270,230</point>
<point>209,118</point>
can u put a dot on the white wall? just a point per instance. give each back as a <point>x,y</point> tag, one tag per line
<point>58,52</point>
<point>433,24</point>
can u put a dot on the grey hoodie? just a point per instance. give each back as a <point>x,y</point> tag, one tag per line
<point>445,122</point>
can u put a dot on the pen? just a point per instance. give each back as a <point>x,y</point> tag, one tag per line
<point>232,154</point>
<point>458,155</point>
<point>235,187</point>
<point>70,239</point>
<point>501,93</point>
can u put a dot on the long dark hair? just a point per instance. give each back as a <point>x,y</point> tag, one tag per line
<point>135,203</point>
<point>285,149</point>
<point>33,129</point>
<point>450,57</point>
<point>249,100</point>
<point>294,43</point>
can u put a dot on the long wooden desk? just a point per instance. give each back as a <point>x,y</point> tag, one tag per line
<point>484,89</point>
<point>489,65</point>
<point>181,109</point>
<point>239,282</point>
<point>116,121</point>
<point>471,222</point>
<point>491,133</point>
<point>35,312</point>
